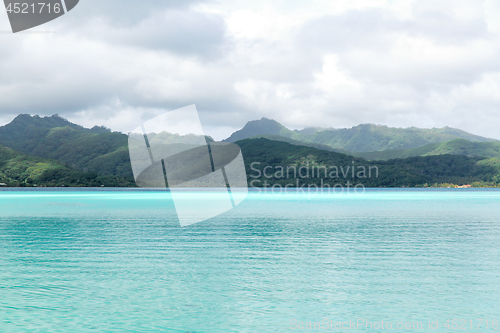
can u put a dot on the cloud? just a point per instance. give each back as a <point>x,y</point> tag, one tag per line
<point>184,32</point>
<point>324,63</point>
<point>126,13</point>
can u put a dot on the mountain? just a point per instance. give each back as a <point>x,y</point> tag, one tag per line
<point>263,160</point>
<point>263,126</point>
<point>453,147</point>
<point>361,138</point>
<point>96,150</point>
<point>369,137</point>
<point>53,151</point>
<point>270,162</point>
<point>20,170</point>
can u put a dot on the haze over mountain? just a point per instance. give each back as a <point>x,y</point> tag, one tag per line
<point>361,138</point>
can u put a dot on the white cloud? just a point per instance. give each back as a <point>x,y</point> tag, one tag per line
<point>304,63</point>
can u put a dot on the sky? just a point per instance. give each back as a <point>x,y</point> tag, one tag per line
<point>321,63</point>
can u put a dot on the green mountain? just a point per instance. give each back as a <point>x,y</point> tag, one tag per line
<point>361,138</point>
<point>96,150</point>
<point>263,126</point>
<point>20,170</point>
<point>271,162</point>
<point>54,152</point>
<point>369,137</point>
<point>453,147</point>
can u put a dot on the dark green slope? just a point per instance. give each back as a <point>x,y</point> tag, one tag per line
<point>301,143</point>
<point>20,170</point>
<point>414,171</point>
<point>98,149</point>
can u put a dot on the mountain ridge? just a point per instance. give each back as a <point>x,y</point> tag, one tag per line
<point>103,152</point>
<point>360,138</point>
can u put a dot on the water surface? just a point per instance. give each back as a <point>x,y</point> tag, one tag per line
<point>118,261</point>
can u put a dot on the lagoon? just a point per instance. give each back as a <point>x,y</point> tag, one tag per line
<point>80,260</point>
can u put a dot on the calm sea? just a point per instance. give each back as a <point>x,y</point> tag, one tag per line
<point>118,261</point>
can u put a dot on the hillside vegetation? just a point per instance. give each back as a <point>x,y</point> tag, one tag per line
<point>94,150</point>
<point>20,170</point>
<point>52,151</point>
<point>279,156</point>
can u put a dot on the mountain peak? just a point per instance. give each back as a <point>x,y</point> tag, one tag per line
<point>25,120</point>
<point>21,132</point>
<point>264,126</point>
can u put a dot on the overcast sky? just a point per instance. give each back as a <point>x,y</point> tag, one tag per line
<point>328,63</point>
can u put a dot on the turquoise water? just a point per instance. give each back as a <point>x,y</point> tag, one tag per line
<point>117,261</point>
